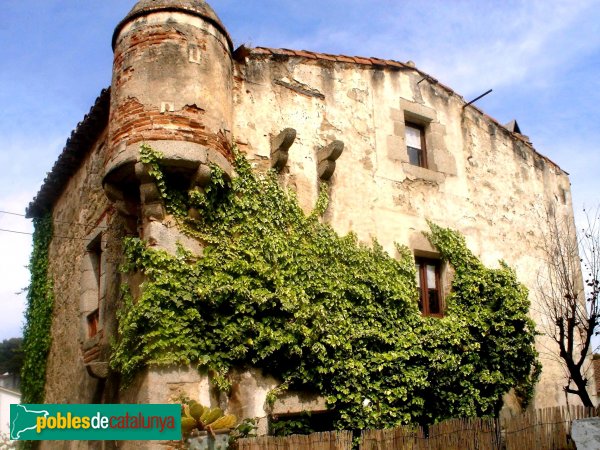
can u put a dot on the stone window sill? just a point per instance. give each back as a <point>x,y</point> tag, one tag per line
<point>423,173</point>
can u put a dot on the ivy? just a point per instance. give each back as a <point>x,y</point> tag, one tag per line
<point>280,290</point>
<point>484,346</point>
<point>38,317</point>
<point>174,198</point>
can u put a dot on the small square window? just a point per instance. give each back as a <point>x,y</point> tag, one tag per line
<point>429,286</point>
<point>415,144</point>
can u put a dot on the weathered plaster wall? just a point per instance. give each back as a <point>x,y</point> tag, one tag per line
<point>81,211</point>
<point>166,385</point>
<point>482,179</point>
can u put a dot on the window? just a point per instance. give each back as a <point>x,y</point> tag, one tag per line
<point>415,144</point>
<point>95,258</point>
<point>429,285</point>
<point>92,321</point>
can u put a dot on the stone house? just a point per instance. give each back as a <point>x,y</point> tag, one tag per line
<point>396,146</point>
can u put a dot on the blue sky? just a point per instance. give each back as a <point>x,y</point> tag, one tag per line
<point>541,58</point>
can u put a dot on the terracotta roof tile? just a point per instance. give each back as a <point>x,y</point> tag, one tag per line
<point>344,58</point>
<point>306,54</point>
<point>261,51</point>
<point>325,57</point>
<point>378,61</point>
<point>282,52</point>
<point>362,60</point>
<point>393,63</point>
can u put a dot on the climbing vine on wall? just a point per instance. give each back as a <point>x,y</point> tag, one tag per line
<point>38,317</point>
<point>280,290</point>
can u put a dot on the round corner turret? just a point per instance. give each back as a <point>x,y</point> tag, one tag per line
<point>194,7</point>
<point>172,89</point>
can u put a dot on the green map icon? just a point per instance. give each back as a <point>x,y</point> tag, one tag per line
<point>22,420</point>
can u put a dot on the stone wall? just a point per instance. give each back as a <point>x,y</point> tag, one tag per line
<point>81,213</point>
<point>481,179</point>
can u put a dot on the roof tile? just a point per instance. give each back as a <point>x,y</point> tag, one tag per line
<point>361,60</point>
<point>282,52</point>
<point>393,63</point>
<point>378,61</point>
<point>306,54</point>
<point>261,51</point>
<point>344,58</point>
<point>325,57</point>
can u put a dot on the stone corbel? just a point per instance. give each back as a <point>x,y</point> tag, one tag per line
<point>200,179</point>
<point>97,370</point>
<point>152,203</point>
<point>94,357</point>
<point>280,146</point>
<point>202,176</point>
<point>326,157</point>
<point>125,207</point>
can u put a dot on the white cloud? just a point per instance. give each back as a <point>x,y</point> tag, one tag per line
<point>523,44</point>
<point>468,45</point>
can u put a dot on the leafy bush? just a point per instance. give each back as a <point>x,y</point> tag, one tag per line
<point>280,290</point>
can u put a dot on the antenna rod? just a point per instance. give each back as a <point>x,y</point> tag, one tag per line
<point>475,99</point>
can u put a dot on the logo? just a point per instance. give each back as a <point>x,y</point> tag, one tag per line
<point>95,422</point>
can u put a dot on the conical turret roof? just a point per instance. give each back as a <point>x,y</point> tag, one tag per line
<point>195,7</point>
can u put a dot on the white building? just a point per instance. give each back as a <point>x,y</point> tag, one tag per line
<point>7,398</point>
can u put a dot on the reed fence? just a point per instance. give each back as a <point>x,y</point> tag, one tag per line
<point>334,440</point>
<point>547,428</point>
<point>542,429</point>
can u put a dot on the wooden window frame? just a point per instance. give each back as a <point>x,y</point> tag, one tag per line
<point>423,150</point>
<point>424,289</point>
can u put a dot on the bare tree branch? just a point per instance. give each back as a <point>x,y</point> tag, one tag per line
<point>568,292</point>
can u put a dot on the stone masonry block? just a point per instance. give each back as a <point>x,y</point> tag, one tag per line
<point>218,159</point>
<point>326,169</point>
<point>399,128</point>
<point>416,111</point>
<point>414,172</point>
<point>280,145</point>
<point>202,176</point>
<point>397,148</point>
<point>142,172</point>
<point>397,115</point>
<point>149,193</point>
<point>98,369</point>
<point>88,301</point>
<point>293,402</point>
<point>154,211</point>
<point>586,433</point>
<point>88,281</point>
